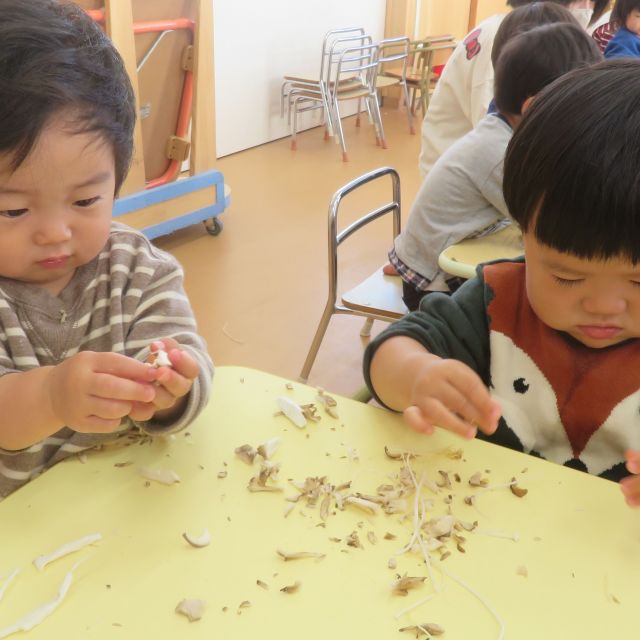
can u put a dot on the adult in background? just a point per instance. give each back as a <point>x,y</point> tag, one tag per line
<point>465,89</point>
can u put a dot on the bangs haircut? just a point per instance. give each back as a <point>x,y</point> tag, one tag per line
<point>622,9</point>
<point>572,168</point>
<point>54,60</point>
<point>534,59</point>
<point>528,16</point>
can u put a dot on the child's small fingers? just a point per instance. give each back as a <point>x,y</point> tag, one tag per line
<point>414,418</point>
<point>631,490</point>
<point>173,383</point>
<point>633,461</point>
<point>142,411</point>
<point>438,414</point>
<point>184,363</point>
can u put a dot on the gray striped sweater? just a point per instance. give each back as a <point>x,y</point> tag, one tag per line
<point>126,297</point>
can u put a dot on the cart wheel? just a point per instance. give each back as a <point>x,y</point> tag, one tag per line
<point>213,226</point>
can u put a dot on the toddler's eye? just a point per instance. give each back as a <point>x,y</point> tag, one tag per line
<point>565,282</point>
<point>86,202</point>
<point>13,213</point>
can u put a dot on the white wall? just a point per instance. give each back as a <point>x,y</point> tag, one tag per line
<point>256,43</point>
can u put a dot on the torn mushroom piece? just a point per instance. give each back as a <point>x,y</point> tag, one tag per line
<point>70,547</point>
<point>162,476</point>
<point>397,454</point>
<point>255,487</point>
<point>160,358</point>
<point>520,492</point>
<point>328,402</point>
<point>268,448</point>
<point>246,453</point>
<point>427,629</point>
<point>191,608</point>
<point>299,555</point>
<point>37,615</point>
<point>403,585</point>
<point>476,480</point>
<point>292,411</point>
<point>292,588</point>
<point>203,540</point>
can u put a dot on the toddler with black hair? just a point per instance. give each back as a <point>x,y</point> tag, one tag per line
<point>542,354</point>
<point>85,303</point>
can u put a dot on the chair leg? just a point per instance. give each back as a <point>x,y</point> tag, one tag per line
<point>358,112</point>
<point>405,92</point>
<point>343,144</point>
<point>377,120</point>
<point>365,332</point>
<point>294,126</point>
<point>317,341</point>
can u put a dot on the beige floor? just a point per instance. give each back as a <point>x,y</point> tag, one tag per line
<point>259,288</point>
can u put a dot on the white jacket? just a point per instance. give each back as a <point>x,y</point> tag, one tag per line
<point>462,95</point>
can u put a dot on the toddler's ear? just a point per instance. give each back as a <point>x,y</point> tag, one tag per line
<point>526,104</point>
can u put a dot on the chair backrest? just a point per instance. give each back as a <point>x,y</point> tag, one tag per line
<point>336,238</point>
<point>353,65</point>
<point>425,53</point>
<point>394,51</point>
<point>336,40</point>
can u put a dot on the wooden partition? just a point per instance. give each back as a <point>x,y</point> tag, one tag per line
<point>421,18</point>
<point>167,48</point>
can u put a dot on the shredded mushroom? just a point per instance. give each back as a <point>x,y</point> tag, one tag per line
<point>299,555</point>
<point>163,476</point>
<point>191,608</point>
<point>35,617</point>
<point>200,541</point>
<point>70,547</point>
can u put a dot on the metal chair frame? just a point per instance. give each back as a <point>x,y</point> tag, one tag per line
<point>392,50</point>
<point>295,85</point>
<point>305,97</point>
<point>360,62</point>
<point>336,238</point>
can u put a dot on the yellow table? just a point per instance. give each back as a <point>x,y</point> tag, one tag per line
<point>461,259</point>
<point>577,540</point>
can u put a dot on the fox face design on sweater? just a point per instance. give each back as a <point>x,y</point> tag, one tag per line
<point>569,403</point>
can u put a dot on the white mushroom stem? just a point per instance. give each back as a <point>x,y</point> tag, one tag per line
<point>163,476</point>
<point>498,534</point>
<point>198,541</point>
<point>473,592</point>
<point>413,606</point>
<point>35,617</point>
<point>418,519</point>
<point>42,561</point>
<point>7,581</point>
<point>292,411</point>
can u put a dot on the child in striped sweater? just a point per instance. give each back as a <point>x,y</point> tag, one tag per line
<point>84,302</point>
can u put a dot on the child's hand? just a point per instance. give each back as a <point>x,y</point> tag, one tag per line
<point>92,391</point>
<point>631,485</point>
<point>448,394</point>
<point>173,383</point>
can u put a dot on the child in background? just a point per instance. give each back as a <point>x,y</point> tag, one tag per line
<point>84,302</point>
<point>465,89</point>
<point>626,41</point>
<point>462,195</point>
<point>555,336</point>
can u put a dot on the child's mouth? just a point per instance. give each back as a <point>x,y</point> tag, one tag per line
<point>600,332</point>
<point>54,263</point>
